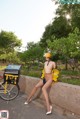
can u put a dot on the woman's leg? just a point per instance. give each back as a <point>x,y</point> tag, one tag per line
<point>44,89</point>
<point>40,84</point>
<point>48,95</point>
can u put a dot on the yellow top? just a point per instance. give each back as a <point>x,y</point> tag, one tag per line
<point>55,74</point>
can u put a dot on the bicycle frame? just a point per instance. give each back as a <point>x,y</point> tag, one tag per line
<point>3,90</point>
<point>8,91</point>
<point>9,88</point>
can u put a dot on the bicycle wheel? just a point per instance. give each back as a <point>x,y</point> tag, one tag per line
<point>12,92</point>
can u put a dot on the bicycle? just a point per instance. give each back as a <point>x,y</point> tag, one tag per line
<point>9,89</point>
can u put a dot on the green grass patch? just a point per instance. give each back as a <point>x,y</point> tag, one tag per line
<point>2,67</point>
<point>31,73</point>
<point>36,72</point>
<point>69,72</point>
<point>71,81</point>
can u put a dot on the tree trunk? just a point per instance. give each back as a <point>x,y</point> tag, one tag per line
<point>66,65</point>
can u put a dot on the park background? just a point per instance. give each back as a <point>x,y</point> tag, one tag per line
<point>61,37</point>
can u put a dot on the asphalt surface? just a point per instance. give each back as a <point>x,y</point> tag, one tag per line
<point>18,110</point>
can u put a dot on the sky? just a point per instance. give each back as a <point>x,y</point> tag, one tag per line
<point>26,18</point>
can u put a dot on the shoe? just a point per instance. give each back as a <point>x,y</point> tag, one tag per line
<point>26,103</point>
<point>49,112</point>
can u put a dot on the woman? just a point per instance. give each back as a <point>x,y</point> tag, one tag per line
<point>45,84</point>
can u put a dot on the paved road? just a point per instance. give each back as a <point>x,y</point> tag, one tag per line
<point>18,110</point>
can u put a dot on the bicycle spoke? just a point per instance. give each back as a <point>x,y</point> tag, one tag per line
<point>11,92</point>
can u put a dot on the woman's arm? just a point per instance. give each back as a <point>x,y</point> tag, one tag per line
<point>54,65</point>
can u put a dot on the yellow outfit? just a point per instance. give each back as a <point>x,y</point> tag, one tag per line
<point>55,74</point>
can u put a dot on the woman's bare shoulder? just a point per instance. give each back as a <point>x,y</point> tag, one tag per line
<point>52,62</point>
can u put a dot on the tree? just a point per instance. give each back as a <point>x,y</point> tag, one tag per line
<point>67,47</point>
<point>66,20</point>
<point>30,45</point>
<point>8,44</point>
<point>8,41</point>
<point>73,10</point>
<point>33,53</point>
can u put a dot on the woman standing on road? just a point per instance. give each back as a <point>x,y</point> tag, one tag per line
<point>45,84</point>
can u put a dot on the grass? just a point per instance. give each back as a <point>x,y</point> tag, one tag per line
<point>71,81</point>
<point>36,72</point>
<point>32,73</point>
<point>2,67</point>
<point>69,72</point>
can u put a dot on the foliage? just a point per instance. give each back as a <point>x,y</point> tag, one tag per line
<point>33,53</point>
<point>73,10</point>
<point>66,20</point>
<point>67,47</point>
<point>8,41</point>
<point>11,57</point>
<point>57,29</point>
<point>37,73</point>
<point>30,45</point>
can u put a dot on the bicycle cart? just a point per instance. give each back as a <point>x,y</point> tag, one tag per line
<point>9,88</point>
